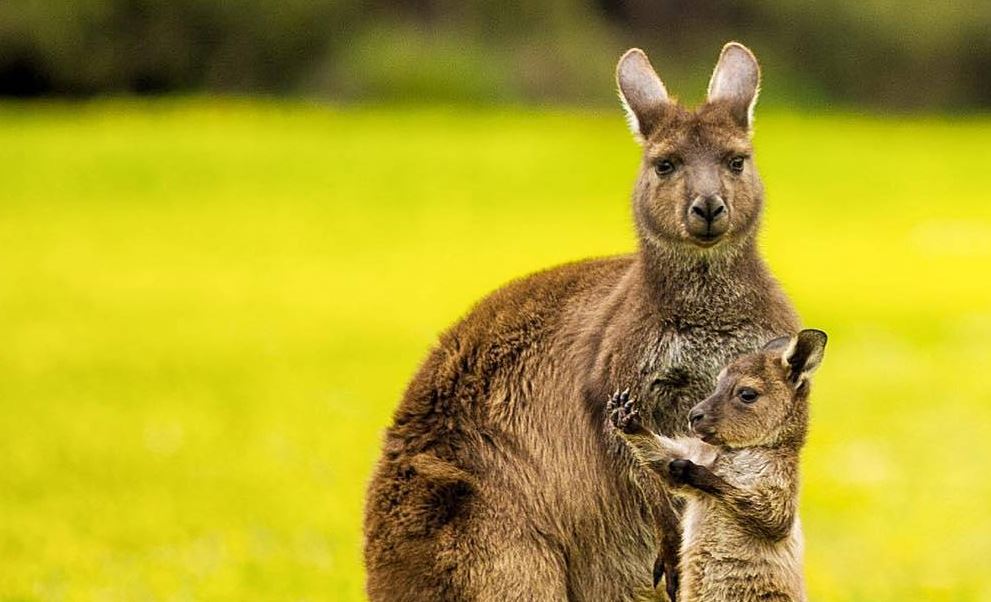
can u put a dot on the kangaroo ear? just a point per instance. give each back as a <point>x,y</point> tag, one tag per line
<point>778,344</point>
<point>804,354</point>
<point>643,93</point>
<point>736,82</point>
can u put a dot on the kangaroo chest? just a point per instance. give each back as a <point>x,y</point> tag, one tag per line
<point>680,369</point>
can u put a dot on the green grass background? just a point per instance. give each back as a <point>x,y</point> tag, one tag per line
<point>208,310</point>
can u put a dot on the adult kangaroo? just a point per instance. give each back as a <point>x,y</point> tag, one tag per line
<point>500,477</point>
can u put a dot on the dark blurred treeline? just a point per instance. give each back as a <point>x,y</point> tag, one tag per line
<point>908,54</point>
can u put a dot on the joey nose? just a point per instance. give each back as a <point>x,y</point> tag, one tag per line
<point>695,416</point>
<point>709,208</point>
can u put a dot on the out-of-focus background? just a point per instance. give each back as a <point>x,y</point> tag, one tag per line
<point>231,230</point>
<point>912,54</point>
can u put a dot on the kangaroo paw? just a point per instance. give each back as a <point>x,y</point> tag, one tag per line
<point>623,413</point>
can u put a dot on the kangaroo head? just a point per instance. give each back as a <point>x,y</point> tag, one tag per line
<point>698,185</point>
<point>761,399</point>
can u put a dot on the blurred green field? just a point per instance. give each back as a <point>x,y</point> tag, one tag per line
<point>208,310</point>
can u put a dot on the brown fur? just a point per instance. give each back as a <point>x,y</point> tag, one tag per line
<point>742,537</point>
<point>499,477</point>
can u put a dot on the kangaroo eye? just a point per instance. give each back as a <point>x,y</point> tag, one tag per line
<point>736,164</point>
<point>664,167</point>
<point>747,395</point>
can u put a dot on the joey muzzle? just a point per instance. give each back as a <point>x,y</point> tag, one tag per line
<point>700,422</point>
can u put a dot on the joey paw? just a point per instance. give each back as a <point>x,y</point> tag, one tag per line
<point>623,412</point>
<point>679,469</point>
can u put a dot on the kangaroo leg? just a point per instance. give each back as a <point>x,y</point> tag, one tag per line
<point>518,572</point>
<point>668,556</point>
<point>653,452</point>
<point>431,536</point>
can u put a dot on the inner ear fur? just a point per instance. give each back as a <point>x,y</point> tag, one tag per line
<point>804,354</point>
<point>778,344</point>
<point>735,83</point>
<point>644,96</point>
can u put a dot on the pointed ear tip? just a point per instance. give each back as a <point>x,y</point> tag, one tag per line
<point>631,56</point>
<point>815,333</point>
<point>742,51</point>
<point>729,46</point>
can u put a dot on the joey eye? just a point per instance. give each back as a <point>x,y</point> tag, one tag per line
<point>736,164</point>
<point>747,395</point>
<point>664,167</point>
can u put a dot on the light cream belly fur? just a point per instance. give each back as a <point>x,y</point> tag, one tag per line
<point>719,561</point>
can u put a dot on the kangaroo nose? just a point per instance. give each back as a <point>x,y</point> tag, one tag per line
<point>694,416</point>
<point>709,208</point>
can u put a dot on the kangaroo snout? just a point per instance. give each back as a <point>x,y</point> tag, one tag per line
<point>709,208</point>
<point>708,217</point>
<point>702,423</point>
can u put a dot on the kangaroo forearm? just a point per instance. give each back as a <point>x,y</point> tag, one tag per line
<point>702,479</point>
<point>653,450</point>
<point>766,517</point>
<point>767,512</point>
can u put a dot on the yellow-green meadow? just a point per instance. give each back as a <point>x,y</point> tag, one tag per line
<point>209,309</point>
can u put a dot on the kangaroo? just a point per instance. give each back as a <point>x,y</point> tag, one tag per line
<point>500,477</point>
<point>742,538</point>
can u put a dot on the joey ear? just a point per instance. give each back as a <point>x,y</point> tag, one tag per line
<point>804,354</point>
<point>778,344</point>
<point>643,93</point>
<point>736,82</point>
